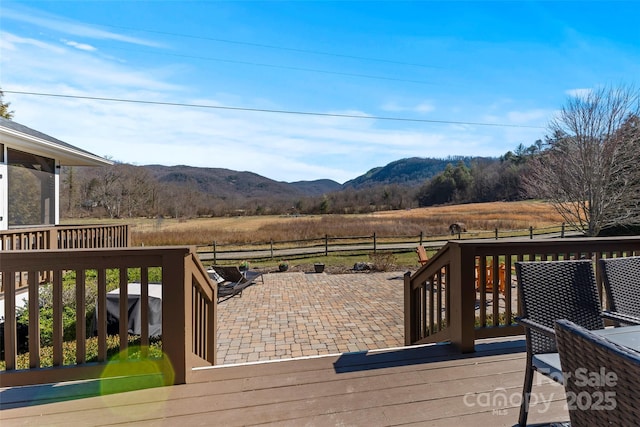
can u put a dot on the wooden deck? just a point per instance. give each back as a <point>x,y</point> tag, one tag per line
<point>428,385</point>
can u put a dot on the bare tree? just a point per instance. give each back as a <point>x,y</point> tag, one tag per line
<point>589,170</point>
<point>138,190</point>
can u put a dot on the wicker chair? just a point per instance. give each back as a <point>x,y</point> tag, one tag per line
<point>622,285</point>
<point>548,291</point>
<point>604,399</point>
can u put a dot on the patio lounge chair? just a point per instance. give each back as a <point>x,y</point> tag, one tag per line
<point>231,281</point>
<point>622,286</point>
<point>228,290</point>
<point>548,291</point>
<point>610,395</point>
<point>233,274</point>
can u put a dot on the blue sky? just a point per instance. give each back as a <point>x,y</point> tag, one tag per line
<point>430,78</point>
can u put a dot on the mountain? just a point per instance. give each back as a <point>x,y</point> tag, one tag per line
<point>410,172</point>
<point>317,187</point>
<point>226,183</point>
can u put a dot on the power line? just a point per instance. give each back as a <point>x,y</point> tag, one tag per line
<point>263,110</point>
<point>283,67</point>
<point>268,46</point>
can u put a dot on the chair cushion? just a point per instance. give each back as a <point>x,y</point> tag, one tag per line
<point>215,276</point>
<point>549,364</point>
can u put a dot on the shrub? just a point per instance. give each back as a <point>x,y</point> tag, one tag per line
<point>383,261</point>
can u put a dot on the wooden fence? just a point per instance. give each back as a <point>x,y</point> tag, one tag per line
<point>326,245</point>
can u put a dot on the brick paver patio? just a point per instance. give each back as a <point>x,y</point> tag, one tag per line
<point>297,314</point>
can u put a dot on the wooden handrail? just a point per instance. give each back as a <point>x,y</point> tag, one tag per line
<point>469,312</point>
<point>188,310</point>
<point>66,237</point>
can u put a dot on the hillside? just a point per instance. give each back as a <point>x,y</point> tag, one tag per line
<point>187,191</point>
<point>226,183</point>
<point>317,187</point>
<point>410,172</point>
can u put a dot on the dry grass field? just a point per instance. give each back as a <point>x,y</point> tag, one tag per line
<point>432,221</point>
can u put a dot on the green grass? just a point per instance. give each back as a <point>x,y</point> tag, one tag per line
<point>343,261</point>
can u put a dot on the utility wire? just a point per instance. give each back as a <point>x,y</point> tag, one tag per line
<point>262,110</point>
<point>268,46</point>
<point>284,67</point>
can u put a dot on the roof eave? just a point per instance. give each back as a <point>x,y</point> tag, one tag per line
<point>67,156</point>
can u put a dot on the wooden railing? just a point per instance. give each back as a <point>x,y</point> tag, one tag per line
<point>66,237</point>
<point>188,311</point>
<point>467,289</point>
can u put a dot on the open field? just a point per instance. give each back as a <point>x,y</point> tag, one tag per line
<point>431,221</point>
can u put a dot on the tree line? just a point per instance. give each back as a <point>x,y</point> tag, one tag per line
<point>127,191</point>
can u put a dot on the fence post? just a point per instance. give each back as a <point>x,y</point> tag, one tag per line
<point>271,246</point>
<point>496,234</point>
<point>531,232</point>
<point>214,253</point>
<point>421,236</point>
<point>562,232</point>
<point>326,245</point>
<point>374,243</point>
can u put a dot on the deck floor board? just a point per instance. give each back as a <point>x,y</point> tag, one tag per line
<point>412,386</point>
<point>353,372</point>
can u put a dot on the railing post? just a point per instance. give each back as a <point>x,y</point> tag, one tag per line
<point>374,243</point>
<point>213,246</point>
<point>496,231</point>
<point>326,245</point>
<point>176,314</point>
<point>52,239</point>
<point>531,232</point>
<point>409,312</point>
<point>462,297</point>
<point>127,234</point>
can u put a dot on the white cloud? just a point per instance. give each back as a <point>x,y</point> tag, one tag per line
<point>12,42</point>
<point>579,93</point>
<point>43,66</point>
<point>530,117</point>
<point>67,26</point>
<point>422,107</point>
<point>80,46</point>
